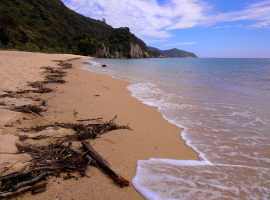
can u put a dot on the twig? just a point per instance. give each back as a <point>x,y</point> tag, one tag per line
<point>108,140</point>
<point>22,190</point>
<point>41,117</point>
<point>93,119</point>
<point>106,88</point>
<point>30,182</point>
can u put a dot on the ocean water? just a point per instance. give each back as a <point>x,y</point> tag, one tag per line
<point>223,106</point>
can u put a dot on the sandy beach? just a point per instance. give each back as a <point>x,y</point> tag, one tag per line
<point>86,95</point>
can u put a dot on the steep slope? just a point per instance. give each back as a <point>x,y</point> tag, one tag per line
<point>49,26</point>
<point>172,53</point>
<point>155,51</point>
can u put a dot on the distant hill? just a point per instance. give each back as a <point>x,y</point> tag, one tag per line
<point>49,26</point>
<point>172,53</point>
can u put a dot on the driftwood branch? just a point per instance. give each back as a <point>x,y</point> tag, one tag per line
<point>12,175</point>
<point>58,157</point>
<point>30,182</point>
<point>103,165</point>
<point>22,190</point>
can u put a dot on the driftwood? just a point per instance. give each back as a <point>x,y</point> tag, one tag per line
<point>53,160</point>
<point>57,158</point>
<point>103,165</point>
<point>22,190</point>
<point>11,176</point>
<point>30,182</point>
<point>39,189</point>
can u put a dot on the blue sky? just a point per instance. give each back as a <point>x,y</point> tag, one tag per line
<point>209,28</point>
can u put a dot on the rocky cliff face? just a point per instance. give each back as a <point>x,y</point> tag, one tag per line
<point>135,52</point>
<point>102,52</point>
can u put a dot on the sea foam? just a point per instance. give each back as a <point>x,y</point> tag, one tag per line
<point>229,136</point>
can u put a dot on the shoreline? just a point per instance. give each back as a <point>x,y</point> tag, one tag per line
<point>96,95</point>
<point>182,133</point>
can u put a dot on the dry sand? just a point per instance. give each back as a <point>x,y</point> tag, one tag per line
<point>16,70</point>
<point>91,95</point>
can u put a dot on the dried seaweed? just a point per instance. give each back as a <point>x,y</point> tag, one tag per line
<point>65,65</point>
<point>13,94</point>
<point>28,109</point>
<point>46,160</point>
<point>40,137</point>
<point>36,84</point>
<point>54,76</point>
<point>2,103</point>
<point>58,157</point>
<point>37,128</point>
<point>82,131</point>
<point>54,160</point>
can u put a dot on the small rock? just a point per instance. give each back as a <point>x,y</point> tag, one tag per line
<point>104,65</point>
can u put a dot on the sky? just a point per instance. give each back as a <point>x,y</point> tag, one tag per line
<point>209,28</point>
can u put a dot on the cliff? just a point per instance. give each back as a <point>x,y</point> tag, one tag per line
<point>49,26</point>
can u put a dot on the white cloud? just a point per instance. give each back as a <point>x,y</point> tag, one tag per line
<point>229,26</point>
<point>262,24</point>
<point>144,18</point>
<point>257,13</point>
<point>181,43</point>
<point>152,21</point>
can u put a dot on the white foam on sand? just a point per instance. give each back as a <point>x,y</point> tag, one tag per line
<point>145,93</point>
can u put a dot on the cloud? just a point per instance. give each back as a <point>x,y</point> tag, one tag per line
<point>229,26</point>
<point>257,13</point>
<point>146,19</point>
<point>262,24</point>
<point>181,43</point>
<point>153,21</point>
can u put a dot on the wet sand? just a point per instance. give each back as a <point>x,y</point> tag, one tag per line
<point>91,95</point>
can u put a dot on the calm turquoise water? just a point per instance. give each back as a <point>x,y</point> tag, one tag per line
<point>224,107</point>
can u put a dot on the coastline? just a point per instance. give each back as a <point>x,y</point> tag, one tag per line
<point>92,95</point>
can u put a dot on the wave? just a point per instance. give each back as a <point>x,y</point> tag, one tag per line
<point>211,177</point>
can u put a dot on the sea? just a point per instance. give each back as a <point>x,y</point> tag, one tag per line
<point>223,104</point>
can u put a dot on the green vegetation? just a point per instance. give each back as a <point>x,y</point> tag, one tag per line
<point>176,53</point>
<point>120,40</point>
<point>171,53</point>
<point>49,26</point>
<point>88,46</point>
